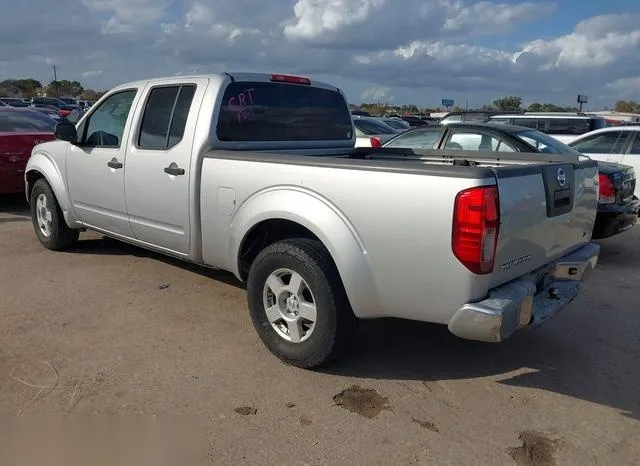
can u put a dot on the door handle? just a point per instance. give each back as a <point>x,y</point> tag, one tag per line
<point>114,164</point>
<point>173,169</point>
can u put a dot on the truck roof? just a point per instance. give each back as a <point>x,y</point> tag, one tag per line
<point>239,76</point>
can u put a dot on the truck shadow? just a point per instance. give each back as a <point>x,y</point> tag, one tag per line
<point>16,206</point>
<point>623,250</point>
<point>580,361</point>
<point>107,246</point>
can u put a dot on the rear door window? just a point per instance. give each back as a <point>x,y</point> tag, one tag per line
<point>268,111</point>
<point>635,148</point>
<point>165,116</point>
<point>610,142</point>
<point>417,139</point>
<point>372,127</point>
<point>473,140</point>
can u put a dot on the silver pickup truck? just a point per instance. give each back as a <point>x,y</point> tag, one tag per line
<point>257,174</point>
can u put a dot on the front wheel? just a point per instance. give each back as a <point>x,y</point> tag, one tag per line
<point>298,304</point>
<point>48,221</point>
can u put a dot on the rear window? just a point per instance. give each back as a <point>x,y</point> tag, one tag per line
<point>259,111</point>
<point>372,127</point>
<point>545,144</point>
<point>25,121</point>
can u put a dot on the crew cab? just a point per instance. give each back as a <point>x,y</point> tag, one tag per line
<point>618,208</point>
<point>257,174</point>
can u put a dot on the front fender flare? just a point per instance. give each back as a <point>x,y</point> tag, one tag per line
<point>42,163</point>
<point>323,219</point>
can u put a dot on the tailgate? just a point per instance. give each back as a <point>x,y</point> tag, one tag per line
<point>546,211</point>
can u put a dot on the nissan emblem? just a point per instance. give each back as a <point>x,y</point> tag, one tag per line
<point>561,177</point>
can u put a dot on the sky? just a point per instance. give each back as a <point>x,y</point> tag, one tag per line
<point>393,51</point>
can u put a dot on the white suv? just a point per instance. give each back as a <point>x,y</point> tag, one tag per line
<point>619,144</point>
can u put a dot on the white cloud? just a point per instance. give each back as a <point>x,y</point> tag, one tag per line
<point>627,87</point>
<point>315,18</point>
<point>377,94</point>
<point>130,11</point>
<point>412,51</point>
<point>387,23</point>
<point>91,73</point>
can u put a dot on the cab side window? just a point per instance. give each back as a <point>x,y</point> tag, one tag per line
<point>165,116</point>
<point>105,126</point>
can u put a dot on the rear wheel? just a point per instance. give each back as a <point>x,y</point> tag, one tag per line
<point>48,221</point>
<point>298,304</point>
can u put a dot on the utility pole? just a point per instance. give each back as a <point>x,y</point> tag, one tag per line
<point>55,80</point>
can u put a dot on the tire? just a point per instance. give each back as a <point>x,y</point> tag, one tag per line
<point>49,224</point>
<point>334,327</point>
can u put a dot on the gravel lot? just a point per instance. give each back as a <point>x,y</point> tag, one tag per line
<point>114,330</point>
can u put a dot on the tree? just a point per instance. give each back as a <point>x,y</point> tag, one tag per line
<point>624,106</point>
<point>20,87</point>
<point>548,107</point>
<point>91,95</point>
<point>511,103</point>
<point>64,88</point>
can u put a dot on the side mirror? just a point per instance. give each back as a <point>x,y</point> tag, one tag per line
<point>65,131</point>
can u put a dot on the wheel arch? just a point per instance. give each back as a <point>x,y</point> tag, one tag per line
<point>285,213</point>
<point>40,166</point>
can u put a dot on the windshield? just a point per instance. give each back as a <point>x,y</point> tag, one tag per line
<point>545,144</point>
<point>25,121</point>
<point>371,127</point>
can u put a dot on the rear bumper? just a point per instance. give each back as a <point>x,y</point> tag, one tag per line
<point>616,218</point>
<point>523,302</point>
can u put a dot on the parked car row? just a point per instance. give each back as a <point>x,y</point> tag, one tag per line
<point>617,149</point>
<point>63,106</point>
<point>618,208</point>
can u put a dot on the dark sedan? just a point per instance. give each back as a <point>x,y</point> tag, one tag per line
<point>618,208</point>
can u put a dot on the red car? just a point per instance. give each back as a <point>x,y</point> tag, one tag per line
<point>20,130</point>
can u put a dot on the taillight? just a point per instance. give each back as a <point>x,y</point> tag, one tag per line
<point>606,190</point>
<point>375,142</point>
<point>283,78</point>
<point>476,221</point>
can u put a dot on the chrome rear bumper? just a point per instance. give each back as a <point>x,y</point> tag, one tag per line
<point>521,303</point>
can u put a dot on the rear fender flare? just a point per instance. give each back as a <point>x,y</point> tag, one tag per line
<point>325,221</point>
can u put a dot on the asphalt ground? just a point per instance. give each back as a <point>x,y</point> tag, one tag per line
<point>109,333</point>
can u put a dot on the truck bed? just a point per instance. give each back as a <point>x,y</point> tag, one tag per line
<point>392,212</point>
